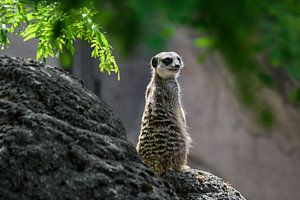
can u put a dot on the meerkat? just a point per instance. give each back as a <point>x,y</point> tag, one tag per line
<point>164,142</point>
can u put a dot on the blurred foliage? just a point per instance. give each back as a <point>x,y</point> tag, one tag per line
<point>56,27</point>
<point>243,30</point>
<point>295,96</point>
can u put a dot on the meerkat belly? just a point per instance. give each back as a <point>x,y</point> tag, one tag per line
<point>161,134</point>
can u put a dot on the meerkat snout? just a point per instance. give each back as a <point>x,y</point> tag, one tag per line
<point>167,64</point>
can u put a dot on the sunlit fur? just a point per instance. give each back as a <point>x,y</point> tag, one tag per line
<point>164,141</point>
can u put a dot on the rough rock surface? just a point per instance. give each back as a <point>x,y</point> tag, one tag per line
<point>195,184</point>
<point>59,141</point>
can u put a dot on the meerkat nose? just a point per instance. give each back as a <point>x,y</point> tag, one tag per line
<point>177,66</point>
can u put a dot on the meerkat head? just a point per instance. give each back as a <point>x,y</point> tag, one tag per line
<point>167,64</point>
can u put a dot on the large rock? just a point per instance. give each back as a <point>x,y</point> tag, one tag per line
<point>59,141</point>
<point>200,185</point>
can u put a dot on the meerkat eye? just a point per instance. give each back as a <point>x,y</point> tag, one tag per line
<point>179,60</point>
<point>167,61</point>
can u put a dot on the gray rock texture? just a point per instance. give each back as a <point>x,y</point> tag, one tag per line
<point>59,141</point>
<point>195,184</point>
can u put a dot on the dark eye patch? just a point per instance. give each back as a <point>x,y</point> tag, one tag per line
<point>179,60</point>
<point>167,61</point>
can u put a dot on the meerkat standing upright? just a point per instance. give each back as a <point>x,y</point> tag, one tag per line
<point>164,141</point>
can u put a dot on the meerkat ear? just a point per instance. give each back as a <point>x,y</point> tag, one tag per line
<point>180,61</point>
<point>154,62</point>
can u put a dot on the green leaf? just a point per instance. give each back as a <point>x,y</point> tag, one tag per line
<point>55,29</point>
<point>30,36</point>
<point>39,54</point>
<point>103,39</point>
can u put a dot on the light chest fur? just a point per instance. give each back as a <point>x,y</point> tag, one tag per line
<point>164,141</point>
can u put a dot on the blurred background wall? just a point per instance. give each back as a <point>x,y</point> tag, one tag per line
<point>227,140</point>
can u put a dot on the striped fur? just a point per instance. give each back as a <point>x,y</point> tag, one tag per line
<point>163,142</point>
